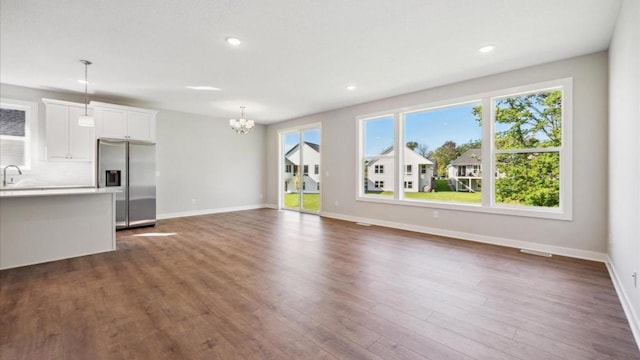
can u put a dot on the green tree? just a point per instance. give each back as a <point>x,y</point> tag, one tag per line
<point>528,121</point>
<point>412,145</point>
<point>423,150</point>
<point>471,144</point>
<point>444,155</point>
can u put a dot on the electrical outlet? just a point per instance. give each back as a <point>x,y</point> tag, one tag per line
<point>436,214</point>
<point>193,201</point>
<point>336,203</point>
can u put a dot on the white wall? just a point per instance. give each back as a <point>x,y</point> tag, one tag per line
<point>586,233</point>
<point>202,159</point>
<point>624,156</point>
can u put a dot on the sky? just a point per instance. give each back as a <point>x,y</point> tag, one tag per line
<point>291,139</point>
<point>432,128</point>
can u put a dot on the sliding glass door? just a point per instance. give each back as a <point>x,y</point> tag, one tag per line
<point>300,169</point>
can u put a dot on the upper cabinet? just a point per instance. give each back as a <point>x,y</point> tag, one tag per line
<point>124,122</point>
<point>66,140</point>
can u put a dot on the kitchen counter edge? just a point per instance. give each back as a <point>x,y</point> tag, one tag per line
<point>57,192</point>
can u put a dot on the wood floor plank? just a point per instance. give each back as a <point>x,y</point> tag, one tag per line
<point>267,284</point>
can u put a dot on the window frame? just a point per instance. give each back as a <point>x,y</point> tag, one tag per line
<point>488,203</point>
<point>31,117</point>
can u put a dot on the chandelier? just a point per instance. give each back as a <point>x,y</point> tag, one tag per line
<point>242,125</point>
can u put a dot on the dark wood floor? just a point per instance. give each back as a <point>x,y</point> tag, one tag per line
<point>269,284</point>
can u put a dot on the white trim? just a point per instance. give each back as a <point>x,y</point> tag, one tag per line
<point>31,127</point>
<point>212,211</point>
<point>501,209</point>
<point>557,250</point>
<point>65,103</point>
<point>93,104</point>
<point>632,317</point>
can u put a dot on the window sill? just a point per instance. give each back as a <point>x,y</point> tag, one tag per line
<point>533,212</point>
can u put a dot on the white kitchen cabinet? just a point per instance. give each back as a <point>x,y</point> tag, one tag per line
<point>124,122</point>
<point>65,139</point>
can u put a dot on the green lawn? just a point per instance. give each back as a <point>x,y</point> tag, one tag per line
<point>311,202</point>
<point>450,196</point>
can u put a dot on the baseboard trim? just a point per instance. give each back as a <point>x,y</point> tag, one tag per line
<point>632,316</point>
<point>211,211</point>
<point>556,250</point>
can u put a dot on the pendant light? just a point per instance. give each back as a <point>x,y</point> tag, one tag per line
<point>85,120</point>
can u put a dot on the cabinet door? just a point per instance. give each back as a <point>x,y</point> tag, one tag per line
<point>140,126</point>
<point>81,138</point>
<point>114,123</point>
<point>57,126</point>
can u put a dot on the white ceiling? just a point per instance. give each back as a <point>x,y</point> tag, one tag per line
<point>297,56</point>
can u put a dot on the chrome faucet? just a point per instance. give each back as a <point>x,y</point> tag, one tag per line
<point>4,173</point>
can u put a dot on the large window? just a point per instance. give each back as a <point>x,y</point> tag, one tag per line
<point>15,133</point>
<point>507,152</point>
<point>378,136</point>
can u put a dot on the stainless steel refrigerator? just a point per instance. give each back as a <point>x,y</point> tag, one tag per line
<point>130,165</point>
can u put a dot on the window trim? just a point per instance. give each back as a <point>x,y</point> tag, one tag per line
<point>31,118</point>
<point>488,204</point>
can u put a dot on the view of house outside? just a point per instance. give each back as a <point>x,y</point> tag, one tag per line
<point>442,159</point>
<point>302,170</point>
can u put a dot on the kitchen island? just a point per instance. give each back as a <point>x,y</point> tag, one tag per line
<point>47,224</point>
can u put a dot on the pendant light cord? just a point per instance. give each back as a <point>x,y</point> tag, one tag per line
<point>86,84</point>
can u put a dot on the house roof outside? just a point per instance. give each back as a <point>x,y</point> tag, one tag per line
<point>469,157</point>
<point>314,146</point>
<point>389,150</point>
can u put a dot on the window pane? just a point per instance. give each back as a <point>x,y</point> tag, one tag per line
<point>12,137</point>
<point>440,142</point>
<point>531,179</point>
<point>529,121</point>
<point>12,152</point>
<point>291,176</point>
<point>378,164</point>
<point>311,157</point>
<point>12,122</point>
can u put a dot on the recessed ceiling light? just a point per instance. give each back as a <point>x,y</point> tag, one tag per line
<point>350,87</point>
<point>233,41</point>
<point>487,49</point>
<point>210,88</point>
<point>82,81</point>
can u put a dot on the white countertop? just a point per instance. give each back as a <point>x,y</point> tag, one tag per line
<point>44,191</point>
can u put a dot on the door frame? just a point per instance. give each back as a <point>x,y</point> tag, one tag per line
<point>300,130</point>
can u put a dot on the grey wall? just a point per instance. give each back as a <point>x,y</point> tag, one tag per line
<point>624,152</point>
<point>586,232</point>
<point>201,159</point>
